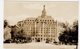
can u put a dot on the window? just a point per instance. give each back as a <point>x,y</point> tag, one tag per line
<point>41,38</point>
<point>33,38</point>
<point>37,22</point>
<point>51,38</point>
<point>44,39</point>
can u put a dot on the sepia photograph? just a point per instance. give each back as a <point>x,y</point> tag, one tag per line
<point>40,24</point>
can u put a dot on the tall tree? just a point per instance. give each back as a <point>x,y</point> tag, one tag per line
<point>69,36</point>
<point>5,23</point>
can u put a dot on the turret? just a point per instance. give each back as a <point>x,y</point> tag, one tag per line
<point>43,12</point>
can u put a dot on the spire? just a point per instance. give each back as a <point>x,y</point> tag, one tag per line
<point>43,11</point>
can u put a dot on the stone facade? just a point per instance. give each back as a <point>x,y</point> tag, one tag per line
<point>41,28</point>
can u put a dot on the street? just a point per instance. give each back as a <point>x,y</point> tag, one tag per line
<point>37,46</point>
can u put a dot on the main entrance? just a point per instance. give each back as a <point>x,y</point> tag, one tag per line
<point>38,40</point>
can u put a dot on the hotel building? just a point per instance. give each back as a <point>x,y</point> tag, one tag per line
<point>42,28</point>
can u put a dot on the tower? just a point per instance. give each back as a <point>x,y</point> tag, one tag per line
<point>43,12</point>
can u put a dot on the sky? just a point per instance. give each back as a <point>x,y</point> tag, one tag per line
<point>15,11</point>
